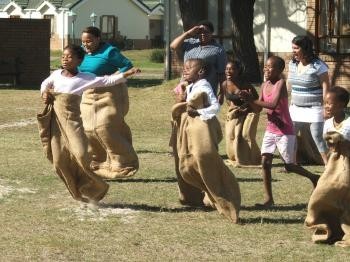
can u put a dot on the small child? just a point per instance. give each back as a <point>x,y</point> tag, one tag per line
<point>328,209</point>
<point>194,73</point>
<point>67,141</point>
<point>279,130</point>
<point>234,84</point>
<point>242,118</point>
<point>198,135</point>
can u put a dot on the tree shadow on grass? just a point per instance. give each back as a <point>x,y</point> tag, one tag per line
<point>172,180</point>
<point>144,82</point>
<point>145,151</point>
<point>144,180</point>
<point>296,207</point>
<point>268,220</point>
<point>149,208</point>
<point>241,179</point>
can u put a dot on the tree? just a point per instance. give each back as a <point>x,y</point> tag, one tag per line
<point>243,46</point>
<point>193,11</point>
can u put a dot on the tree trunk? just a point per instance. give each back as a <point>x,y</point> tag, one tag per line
<point>243,46</point>
<point>193,11</point>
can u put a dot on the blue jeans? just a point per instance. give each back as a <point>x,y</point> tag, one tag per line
<point>316,129</point>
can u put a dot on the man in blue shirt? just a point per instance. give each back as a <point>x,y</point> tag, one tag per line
<point>198,43</point>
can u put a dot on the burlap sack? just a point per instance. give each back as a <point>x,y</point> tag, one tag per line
<point>188,194</point>
<point>240,135</point>
<point>329,206</point>
<point>307,152</point>
<point>110,141</point>
<point>44,124</point>
<point>201,166</point>
<point>69,146</point>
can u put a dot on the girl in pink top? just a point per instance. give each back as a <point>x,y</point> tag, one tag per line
<point>279,131</point>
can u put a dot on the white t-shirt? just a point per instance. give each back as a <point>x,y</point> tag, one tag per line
<point>78,83</point>
<point>203,86</point>
<point>343,128</point>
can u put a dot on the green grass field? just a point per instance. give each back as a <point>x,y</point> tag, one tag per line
<point>140,219</point>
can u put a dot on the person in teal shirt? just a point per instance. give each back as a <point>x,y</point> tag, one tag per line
<point>101,58</point>
<point>103,110</point>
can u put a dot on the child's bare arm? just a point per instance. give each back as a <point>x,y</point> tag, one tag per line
<point>131,72</point>
<point>281,89</point>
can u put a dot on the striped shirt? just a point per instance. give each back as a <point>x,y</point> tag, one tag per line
<point>214,54</point>
<point>306,87</point>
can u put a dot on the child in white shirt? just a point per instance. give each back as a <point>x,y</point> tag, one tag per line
<point>69,80</point>
<point>66,139</point>
<point>194,73</point>
<point>328,209</point>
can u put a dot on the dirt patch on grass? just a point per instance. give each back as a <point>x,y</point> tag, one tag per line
<point>95,213</point>
<point>20,123</point>
<point>7,190</point>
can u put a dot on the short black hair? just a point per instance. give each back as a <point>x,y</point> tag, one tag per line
<point>279,62</point>
<point>76,50</point>
<point>207,24</point>
<point>96,32</point>
<point>202,64</point>
<point>341,94</point>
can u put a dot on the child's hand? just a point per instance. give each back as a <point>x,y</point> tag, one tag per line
<point>192,112</point>
<point>47,97</point>
<point>242,111</point>
<point>131,72</point>
<point>246,95</point>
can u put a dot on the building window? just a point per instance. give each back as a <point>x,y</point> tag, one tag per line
<point>15,16</point>
<point>334,26</point>
<point>108,27</point>
<point>52,22</point>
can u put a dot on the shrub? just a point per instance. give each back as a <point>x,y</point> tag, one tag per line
<point>157,56</point>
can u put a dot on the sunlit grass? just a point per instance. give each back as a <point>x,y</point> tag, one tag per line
<point>141,218</point>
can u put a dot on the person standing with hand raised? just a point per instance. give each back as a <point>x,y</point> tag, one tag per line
<point>198,43</point>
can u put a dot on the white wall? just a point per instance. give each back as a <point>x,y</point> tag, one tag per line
<point>132,21</point>
<point>287,19</point>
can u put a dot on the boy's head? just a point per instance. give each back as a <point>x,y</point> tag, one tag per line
<point>337,98</point>
<point>195,69</point>
<point>72,57</point>
<point>273,68</point>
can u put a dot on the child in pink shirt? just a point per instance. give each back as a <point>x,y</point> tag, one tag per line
<point>279,130</point>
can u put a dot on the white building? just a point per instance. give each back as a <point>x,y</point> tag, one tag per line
<point>139,21</point>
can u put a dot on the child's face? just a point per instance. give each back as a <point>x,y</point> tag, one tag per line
<point>332,107</point>
<point>270,70</point>
<point>69,60</point>
<point>230,71</point>
<point>191,71</point>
